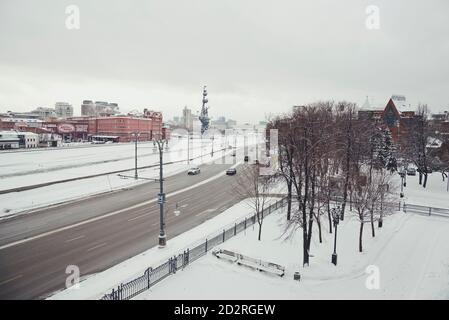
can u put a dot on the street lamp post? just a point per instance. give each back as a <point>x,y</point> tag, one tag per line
<point>402,184</point>
<point>335,218</point>
<point>212,153</point>
<point>136,135</point>
<point>188,147</point>
<point>161,196</point>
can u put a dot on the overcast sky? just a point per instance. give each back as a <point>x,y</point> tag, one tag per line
<point>257,57</point>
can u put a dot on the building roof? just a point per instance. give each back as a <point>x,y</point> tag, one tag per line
<point>368,106</point>
<point>400,102</point>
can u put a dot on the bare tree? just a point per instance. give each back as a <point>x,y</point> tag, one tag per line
<point>255,187</point>
<point>415,143</point>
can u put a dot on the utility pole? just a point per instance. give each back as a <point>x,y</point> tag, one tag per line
<point>161,196</point>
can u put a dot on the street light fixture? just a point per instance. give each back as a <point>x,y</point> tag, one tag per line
<point>335,218</point>
<point>161,196</point>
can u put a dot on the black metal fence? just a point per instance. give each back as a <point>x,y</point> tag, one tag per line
<point>128,290</point>
<point>425,210</point>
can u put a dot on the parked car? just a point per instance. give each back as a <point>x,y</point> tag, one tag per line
<point>231,171</point>
<point>246,159</point>
<point>193,171</point>
<point>234,154</point>
<point>411,172</point>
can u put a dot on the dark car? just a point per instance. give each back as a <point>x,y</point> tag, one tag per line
<point>246,159</point>
<point>411,171</point>
<point>231,171</point>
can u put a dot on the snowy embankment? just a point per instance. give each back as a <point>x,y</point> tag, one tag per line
<point>22,202</point>
<point>95,286</point>
<point>411,253</point>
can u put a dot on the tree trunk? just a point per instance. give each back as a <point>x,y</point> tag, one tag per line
<point>425,180</point>
<point>289,200</point>
<point>309,235</point>
<point>260,230</point>
<point>304,247</point>
<point>329,215</point>
<point>360,237</point>
<point>373,232</point>
<point>420,178</point>
<point>319,229</point>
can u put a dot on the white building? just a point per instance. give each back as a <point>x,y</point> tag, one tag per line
<point>45,113</point>
<point>9,140</point>
<point>28,140</point>
<point>63,110</point>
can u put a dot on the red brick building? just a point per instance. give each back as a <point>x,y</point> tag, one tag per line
<point>123,127</point>
<point>397,115</point>
<point>114,128</point>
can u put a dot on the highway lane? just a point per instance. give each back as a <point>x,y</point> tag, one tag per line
<point>46,219</point>
<point>36,268</point>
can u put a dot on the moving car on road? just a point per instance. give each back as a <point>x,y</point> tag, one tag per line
<point>231,171</point>
<point>193,171</point>
<point>246,159</point>
<point>411,172</point>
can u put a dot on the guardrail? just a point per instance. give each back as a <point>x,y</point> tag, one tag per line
<point>151,276</point>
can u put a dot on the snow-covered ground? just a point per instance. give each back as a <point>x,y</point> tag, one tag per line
<point>95,286</point>
<point>20,169</point>
<point>410,252</point>
<point>434,195</point>
<point>78,162</point>
<point>410,255</point>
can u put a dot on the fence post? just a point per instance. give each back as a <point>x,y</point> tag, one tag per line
<point>223,235</point>
<point>235,228</point>
<point>399,205</point>
<point>405,207</point>
<point>206,244</point>
<point>430,210</point>
<point>148,281</point>
<point>121,291</point>
<point>245,223</point>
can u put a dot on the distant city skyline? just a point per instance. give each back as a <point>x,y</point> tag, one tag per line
<point>256,57</point>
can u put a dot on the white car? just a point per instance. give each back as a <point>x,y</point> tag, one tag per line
<point>193,171</point>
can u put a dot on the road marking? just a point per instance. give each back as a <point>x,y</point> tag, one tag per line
<point>73,239</point>
<point>98,246</point>
<point>12,244</point>
<point>184,205</point>
<point>11,279</point>
<point>206,211</point>
<point>138,217</point>
<point>155,224</point>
